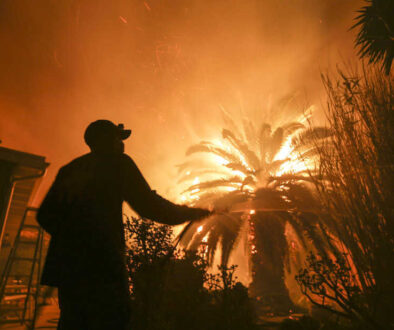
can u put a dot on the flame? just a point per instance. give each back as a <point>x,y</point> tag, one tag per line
<point>220,160</point>
<point>285,151</point>
<point>294,165</point>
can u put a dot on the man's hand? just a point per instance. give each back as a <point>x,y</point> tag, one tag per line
<point>201,214</point>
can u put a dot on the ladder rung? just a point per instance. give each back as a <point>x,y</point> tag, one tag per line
<point>18,275</point>
<point>27,242</point>
<point>14,296</point>
<point>25,259</point>
<point>11,295</point>
<point>10,309</point>
<point>11,320</point>
<point>31,226</point>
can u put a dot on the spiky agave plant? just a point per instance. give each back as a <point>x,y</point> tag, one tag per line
<point>259,174</point>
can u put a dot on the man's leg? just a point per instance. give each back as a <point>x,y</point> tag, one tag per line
<point>71,315</point>
<point>108,308</point>
<point>94,307</point>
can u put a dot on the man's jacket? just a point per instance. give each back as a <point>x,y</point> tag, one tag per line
<point>83,214</point>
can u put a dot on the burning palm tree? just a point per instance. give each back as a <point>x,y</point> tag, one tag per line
<point>260,176</point>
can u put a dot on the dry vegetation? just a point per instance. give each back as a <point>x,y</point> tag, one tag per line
<point>357,193</point>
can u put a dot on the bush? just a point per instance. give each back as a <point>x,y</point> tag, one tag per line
<point>172,289</point>
<point>356,191</point>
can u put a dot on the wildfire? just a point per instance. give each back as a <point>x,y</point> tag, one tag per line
<point>241,168</point>
<point>244,162</point>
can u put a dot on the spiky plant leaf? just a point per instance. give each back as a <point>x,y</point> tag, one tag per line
<point>375,38</point>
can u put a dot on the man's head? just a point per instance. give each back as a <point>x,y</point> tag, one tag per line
<point>103,136</point>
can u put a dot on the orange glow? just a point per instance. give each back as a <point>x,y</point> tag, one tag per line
<point>105,67</point>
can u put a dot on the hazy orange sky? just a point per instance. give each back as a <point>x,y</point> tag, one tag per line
<point>162,67</point>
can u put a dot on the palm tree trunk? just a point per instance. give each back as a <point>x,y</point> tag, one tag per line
<point>268,254</point>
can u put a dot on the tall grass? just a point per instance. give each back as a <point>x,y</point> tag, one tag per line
<point>357,191</point>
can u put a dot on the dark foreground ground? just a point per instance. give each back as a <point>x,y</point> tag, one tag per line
<point>49,314</point>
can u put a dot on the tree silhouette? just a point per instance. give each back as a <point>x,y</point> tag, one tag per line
<point>261,175</point>
<point>375,39</point>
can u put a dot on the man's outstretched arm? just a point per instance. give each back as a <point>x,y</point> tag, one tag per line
<point>148,204</point>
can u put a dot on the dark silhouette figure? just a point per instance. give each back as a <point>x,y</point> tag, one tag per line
<point>83,214</point>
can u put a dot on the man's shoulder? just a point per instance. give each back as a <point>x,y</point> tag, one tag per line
<point>87,161</point>
<point>77,163</point>
<point>126,159</point>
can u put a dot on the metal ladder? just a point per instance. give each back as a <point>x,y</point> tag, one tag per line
<point>20,281</point>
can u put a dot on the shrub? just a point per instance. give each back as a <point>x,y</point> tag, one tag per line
<point>356,191</point>
<point>172,289</point>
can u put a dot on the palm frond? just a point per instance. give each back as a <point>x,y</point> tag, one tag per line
<point>235,181</point>
<point>193,174</point>
<point>211,148</point>
<point>292,127</point>
<point>277,141</point>
<point>309,136</point>
<point>276,164</point>
<point>212,243</point>
<point>196,240</point>
<point>375,38</point>
<point>283,102</point>
<point>229,123</point>
<point>249,156</point>
<point>290,177</point>
<point>250,133</point>
<point>230,236</point>
<point>221,199</point>
<point>239,166</point>
<point>264,140</point>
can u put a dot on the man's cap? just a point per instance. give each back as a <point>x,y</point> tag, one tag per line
<point>101,130</point>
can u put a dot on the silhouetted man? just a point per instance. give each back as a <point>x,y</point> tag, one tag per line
<point>83,214</point>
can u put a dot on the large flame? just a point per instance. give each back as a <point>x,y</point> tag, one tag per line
<point>234,166</point>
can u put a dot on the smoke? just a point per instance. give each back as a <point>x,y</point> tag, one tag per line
<point>162,67</point>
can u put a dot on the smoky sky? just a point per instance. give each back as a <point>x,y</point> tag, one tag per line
<point>162,67</point>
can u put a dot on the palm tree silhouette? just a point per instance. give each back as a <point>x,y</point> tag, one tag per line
<point>261,175</point>
<point>375,39</point>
